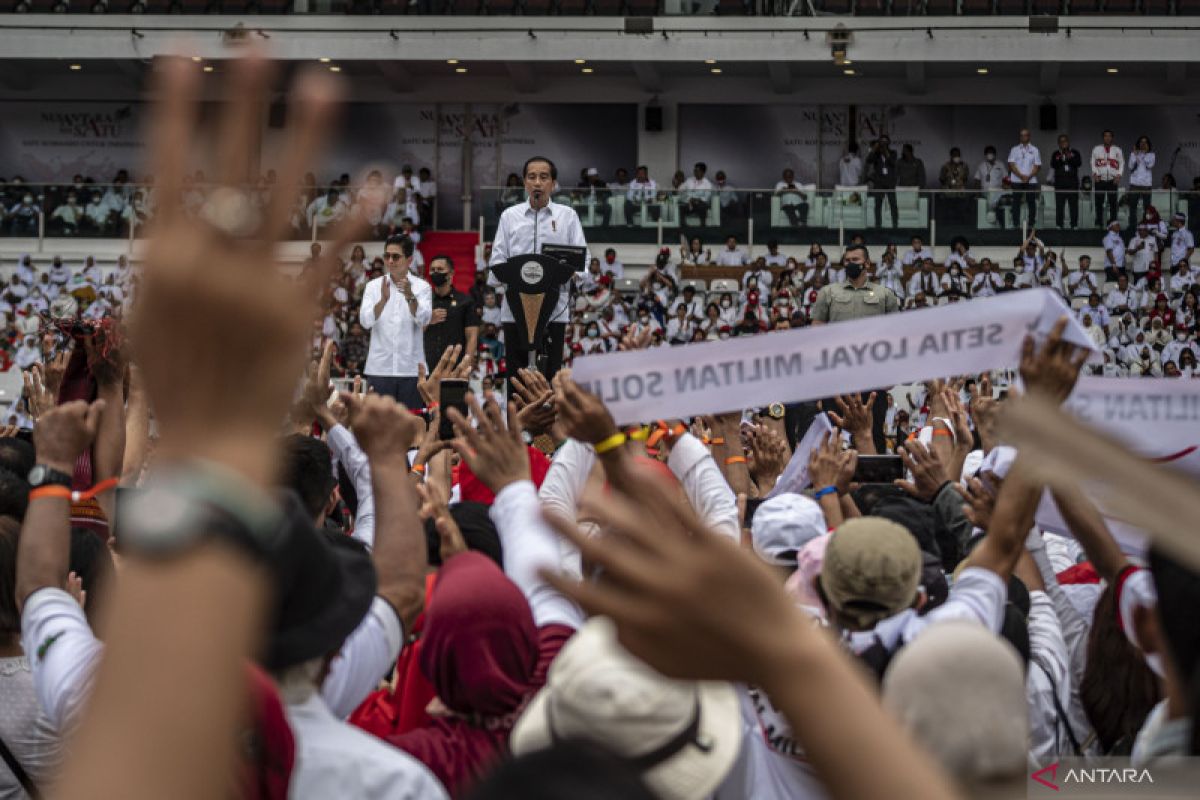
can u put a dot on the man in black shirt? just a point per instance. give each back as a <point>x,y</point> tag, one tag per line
<point>1066,162</point>
<point>881,172</point>
<point>455,317</point>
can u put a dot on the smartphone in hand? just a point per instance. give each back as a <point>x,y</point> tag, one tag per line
<point>452,394</point>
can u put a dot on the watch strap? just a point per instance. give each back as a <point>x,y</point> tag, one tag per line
<point>43,475</point>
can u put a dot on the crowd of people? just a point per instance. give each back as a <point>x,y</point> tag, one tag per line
<point>88,208</point>
<point>219,576</point>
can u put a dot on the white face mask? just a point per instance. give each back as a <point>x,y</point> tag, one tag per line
<point>990,157</point>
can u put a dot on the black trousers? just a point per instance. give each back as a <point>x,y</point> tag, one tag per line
<point>1134,196</point>
<point>1070,199</point>
<point>1106,194</point>
<point>796,213</point>
<point>1031,192</point>
<point>631,211</point>
<point>879,196</point>
<point>402,390</point>
<point>549,361</point>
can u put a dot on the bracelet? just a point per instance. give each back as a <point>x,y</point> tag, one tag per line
<point>735,460</point>
<point>826,491</point>
<point>639,434</point>
<point>940,432</point>
<point>611,443</point>
<point>418,469</point>
<point>720,440</point>
<point>431,406</point>
<point>74,496</point>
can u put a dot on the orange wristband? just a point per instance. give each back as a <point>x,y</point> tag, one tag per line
<point>718,440</point>
<point>50,491</point>
<point>940,432</point>
<point>735,460</point>
<point>418,468</point>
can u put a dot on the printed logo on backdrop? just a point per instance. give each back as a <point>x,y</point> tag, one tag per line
<point>53,141</point>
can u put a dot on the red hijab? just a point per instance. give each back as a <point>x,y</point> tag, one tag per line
<point>480,650</point>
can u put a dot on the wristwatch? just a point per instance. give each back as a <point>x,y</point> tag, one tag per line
<point>42,475</point>
<point>180,510</point>
<point>775,411</point>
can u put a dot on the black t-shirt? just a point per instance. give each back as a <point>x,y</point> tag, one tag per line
<point>461,314</point>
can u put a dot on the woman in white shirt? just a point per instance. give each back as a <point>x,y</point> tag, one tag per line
<point>1141,175</point>
<point>694,253</point>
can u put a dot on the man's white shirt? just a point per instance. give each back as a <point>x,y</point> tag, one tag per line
<point>397,345</point>
<point>732,258</point>
<point>522,231</point>
<point>696,189</point>
<point>1024,157</point>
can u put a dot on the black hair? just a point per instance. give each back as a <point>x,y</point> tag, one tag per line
<point>608,250</point>
<point>16,455</point>
<point>91,560</point>
<point>443,257</point>
<point>1117,689</point>
<point>991,148</point>
<point>850,248</point>
<point>478,531</point>
<point>553,169</point>
<point>308,471</point>
<point>576,769</point>
<point>14,494</point>
<point>403,242</point>
<point>641,166</point>
<point>10,618</point>
<point>700,165</point>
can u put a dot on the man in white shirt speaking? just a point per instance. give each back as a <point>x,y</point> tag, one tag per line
<point>522,230</point>
<point>396,307</point>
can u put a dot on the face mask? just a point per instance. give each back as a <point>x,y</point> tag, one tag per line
<point>593,332</point>
<point>439,278</point>
<point>725,303</point>
<point>1181,337</point>
<point>990,157</point>
<point>853,270</point>
<point>956,160</point>
<point>644,318</point>
<point>28,199</point>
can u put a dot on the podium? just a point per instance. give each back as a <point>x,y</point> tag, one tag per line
<point>533,286</point>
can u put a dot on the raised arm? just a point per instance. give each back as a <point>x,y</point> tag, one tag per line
<point>495,453</point>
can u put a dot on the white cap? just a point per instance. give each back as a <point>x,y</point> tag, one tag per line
<point>596,691</point>
<point>783,525</point>
<point>593,171</point>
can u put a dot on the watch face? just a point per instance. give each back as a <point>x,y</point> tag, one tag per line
<point>775,410</point>
<point>160,520</point>
<point>37,475</point>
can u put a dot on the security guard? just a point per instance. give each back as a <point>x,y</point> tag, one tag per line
<point>856,297</point>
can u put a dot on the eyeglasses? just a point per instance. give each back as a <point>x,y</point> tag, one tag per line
<point>393,256</point>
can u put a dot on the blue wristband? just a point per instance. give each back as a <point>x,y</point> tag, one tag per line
<point>822,492</point>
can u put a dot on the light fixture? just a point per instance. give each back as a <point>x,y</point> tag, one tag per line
<point>335,68</point>
<point>208,69</point>
<point>710,61</point>
<point>1112,70</point>
<point>847,62</point>
<point>848,72</point>
<point>60,7</point>
<point>461,70</point>
<point>197,59</point>
<point>982,70</point>
<point>715,70</point>
<point>581,61</point>
<point>100,7</point>
<point>586,70</point>
<point>324,59</point>
<point>76,67</point>
<point>451,60</point>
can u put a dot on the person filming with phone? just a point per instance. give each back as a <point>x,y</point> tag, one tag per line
<point>524,229</point>
<point>396,307</point>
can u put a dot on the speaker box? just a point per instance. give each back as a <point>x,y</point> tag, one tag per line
<point>277,114</point>
<point>654,119</point>
<point>1048,117</point>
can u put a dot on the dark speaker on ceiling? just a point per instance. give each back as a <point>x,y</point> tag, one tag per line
<point>1048,117</point>
<point>654,119</point>
<point>277,114</point>
<point>639,24</point>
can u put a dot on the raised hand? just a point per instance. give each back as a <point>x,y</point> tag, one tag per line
<point>429,384</point>
<point>768,457</point>
<point>857,417</point>
<point>435,505</point>
<point>383,427</point>
<point>825,461</point>
<point>583,415</point>
<point>494,451</point>
<point>632,340</point>
<point>1053,368</point>
<point>980,499</point>
<point>220,333</point>
<point>63,433</point>
<point>55,368</point>
<point>929,473</point>
<point>38,396</point>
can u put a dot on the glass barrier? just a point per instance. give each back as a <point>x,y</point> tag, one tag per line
<point>121,210</point>
<point>798,215</point>
<point>806,214</point>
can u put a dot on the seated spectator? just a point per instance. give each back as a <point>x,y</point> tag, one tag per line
<point>792,202</point>
<point>732,255</point>
<point>23,216</point>
<point>774,258</point>
<point>612,265</point>
<point>1082,282</point>
<point>917,254</point>
<point>986,282</point>
<point>925,280</point>
<point>695,254</point>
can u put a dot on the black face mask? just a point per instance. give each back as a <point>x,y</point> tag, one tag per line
<point>853,270</point>
<point>439,278</point>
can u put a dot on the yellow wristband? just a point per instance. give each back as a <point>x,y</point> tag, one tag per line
<point>611,443</point>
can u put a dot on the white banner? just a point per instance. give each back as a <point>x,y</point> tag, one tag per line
<point>1156,417</point>
<point>822,361</point>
